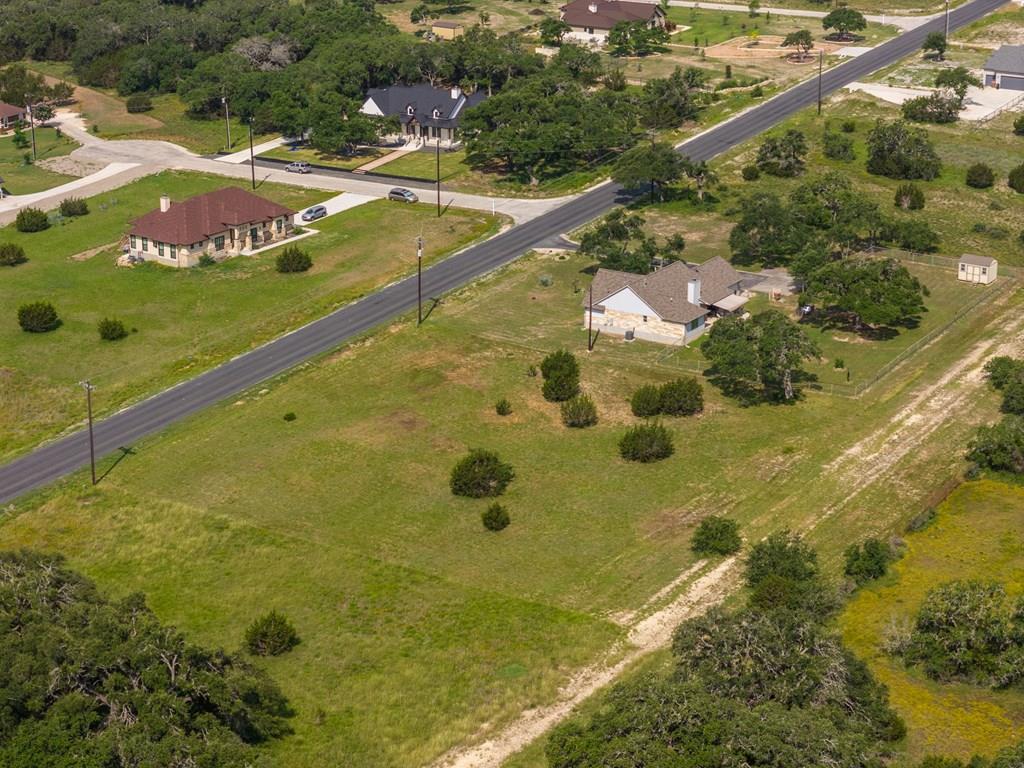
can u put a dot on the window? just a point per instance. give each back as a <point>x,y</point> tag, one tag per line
<point>279,225</point>
<point>145,243</point>
<point>984,270</point>
<point>160,249</point>
<point>218,243</point>
<point>134,243</point>
<point>645,318</point>
<point>963,267</point>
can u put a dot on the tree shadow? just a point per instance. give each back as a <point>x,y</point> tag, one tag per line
<point>837,320</point>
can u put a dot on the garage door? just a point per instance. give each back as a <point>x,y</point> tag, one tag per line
<point>1014,83</point>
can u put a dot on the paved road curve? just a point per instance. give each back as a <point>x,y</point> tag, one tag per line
<point>56,459</point>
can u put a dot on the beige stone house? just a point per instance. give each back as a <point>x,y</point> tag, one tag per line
<point>590,21</point>
<point>671,305</point>
<point>11,116</point>
<point>223,223</point>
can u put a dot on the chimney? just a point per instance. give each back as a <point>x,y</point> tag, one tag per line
<point>456,91</point>
<point>693,291</point>
<point>592,7</point>
<point>165,203</point>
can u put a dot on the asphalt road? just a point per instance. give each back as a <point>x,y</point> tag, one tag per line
<point>58,458</point>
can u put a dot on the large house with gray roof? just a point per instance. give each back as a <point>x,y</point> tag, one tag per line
<point>1005,68</point>
<point>671,305</point>
<point>426,114</point>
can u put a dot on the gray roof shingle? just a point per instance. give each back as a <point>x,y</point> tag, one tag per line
<point>424,99</point>
<point>978,261</point>
<point>1009,59</point>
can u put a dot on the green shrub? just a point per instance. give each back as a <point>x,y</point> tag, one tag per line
<point>206,260</point>
<point>111,329</point>
<point>837,146</point>
<point>782,554</point>
<point>1018,125</point>
<point>868,561</point>
<point>848,126</point>
<point>750,173</point>
<point>682,397</point>
<point>138,102</point>
<point>290,416</point>
<point>1016,179</point>
<point>481,474</point>
<point>646,443</point>
<point>74,206</point>
<point>12,254</point>
<point>716,536</point>
<point>839,363</point>
<point>579,412</point>
<point>271,635</point>
<point>921,520</point>
<point>1002,370</point>
<point>38,317</point>
<point>756,92</point>
<point>293,259</point>
<point>31,220</point>
<point>999,447</point>
<point>495,518</point>
<point>1013,396</point>
<point>503,407</point>
<point>646,401</point>
<point>909,197</point>
<point>980,176</point>
<point>561,375</point>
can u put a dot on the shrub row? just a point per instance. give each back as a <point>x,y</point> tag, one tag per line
<point>681,397</point>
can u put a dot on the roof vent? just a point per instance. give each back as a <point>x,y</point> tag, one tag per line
<point>456,91</point>
<point>592,7</point>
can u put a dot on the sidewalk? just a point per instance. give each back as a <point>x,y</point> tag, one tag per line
<point>242,155</point>
<point>113,176</point>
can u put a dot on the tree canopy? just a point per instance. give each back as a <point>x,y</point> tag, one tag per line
<point>901,151</point>
<point>844,21</point>
<point>866,291</point>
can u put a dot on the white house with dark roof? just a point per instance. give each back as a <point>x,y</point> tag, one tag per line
<point>1005,68</point>
<point>669,306</point>
<point>425,113</point>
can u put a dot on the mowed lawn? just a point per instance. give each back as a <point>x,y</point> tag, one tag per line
<point>978,534</point>
<point>420,629</point>
<point>186,320</point>
<point>345,162</point>
<point>24,178</point>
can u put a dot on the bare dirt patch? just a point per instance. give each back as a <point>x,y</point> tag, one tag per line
<point>765,47</point>
<point>70,166</point>
<point>86,255</point>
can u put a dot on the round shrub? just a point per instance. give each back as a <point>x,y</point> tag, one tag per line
<point>750,173</point>
<point>293,259</point>
<point>73,206</point>
<point>480,474</point>
<point>31,220</point>
<point>111,329</point>
<point>206,260</point>
<point>503,407</point>
<point>580,411</point>
<point>561,375</point>
<point>1018,125</point>
<point>646,443</point>
<point>646,401</point>
<point>848,126</point>
<point>12,254</point>
<point>980,176</point>
<point>270,635</point>
<point>1016,179</point>
<point>139,102</point>
<point>495,518</point>
<point>290,416</point>
<point>716,536</point>
<point>682,397</point>
<point>38,317</point>
<point>909,197</point>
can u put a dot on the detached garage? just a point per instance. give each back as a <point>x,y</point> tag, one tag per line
<point>977,269</point>
<point>1005,68</point>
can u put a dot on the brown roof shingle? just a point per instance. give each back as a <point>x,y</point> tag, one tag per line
<point>202,216</point>
<point>607,13</point>
<point>10,110</point>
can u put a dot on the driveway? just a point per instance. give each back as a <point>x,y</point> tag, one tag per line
<point>979,104</point>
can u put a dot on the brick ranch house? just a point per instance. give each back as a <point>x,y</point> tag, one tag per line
<point>592,20</point>
<point>11,116</point>
<point>669,306</point>
<point>223,223</point>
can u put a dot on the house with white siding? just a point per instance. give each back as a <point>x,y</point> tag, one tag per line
<point>671,305</point>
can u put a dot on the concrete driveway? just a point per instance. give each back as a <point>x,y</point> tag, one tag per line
<point>980,103</point>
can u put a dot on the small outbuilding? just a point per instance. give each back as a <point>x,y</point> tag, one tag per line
<point>447,30</point>
<point>1005,68</point>
<point>977,269</point>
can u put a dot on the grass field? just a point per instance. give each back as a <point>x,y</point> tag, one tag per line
<point>187,320</point>
<point>978,534</point>
<point>310,155</point>
<point>503,15</point>
<point>423,165</point>
<point>21,178</point>
<point>419,627</point>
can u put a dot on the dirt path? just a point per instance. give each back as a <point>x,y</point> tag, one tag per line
<point>645,636</point>
<point>928,409</point>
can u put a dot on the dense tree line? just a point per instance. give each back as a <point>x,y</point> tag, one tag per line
<point>90,683</point>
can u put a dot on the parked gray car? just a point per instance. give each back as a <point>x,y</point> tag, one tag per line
<point>403,195</point>
<point>299,166</point>
<point>314,213</point>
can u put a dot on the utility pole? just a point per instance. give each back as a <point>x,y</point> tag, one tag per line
<point>821,69</point>
<point>947,22</point>
<point>419,280</point>
<point>87,385</point>
<point>252,157</point>
<point>227,121</point>
<point>438,166</point>
<point>32,126</point>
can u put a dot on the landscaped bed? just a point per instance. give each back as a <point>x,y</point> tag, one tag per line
<point>187,319</point>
